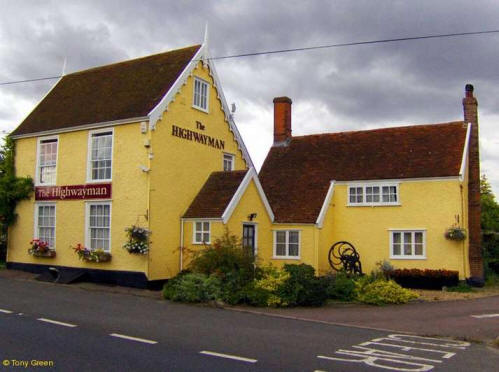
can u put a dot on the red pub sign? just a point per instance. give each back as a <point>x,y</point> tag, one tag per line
<point>72,192</point>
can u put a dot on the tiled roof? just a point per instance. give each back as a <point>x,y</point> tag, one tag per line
<point>215,195</point>
<point>296,177</point>
<point>119,91</point>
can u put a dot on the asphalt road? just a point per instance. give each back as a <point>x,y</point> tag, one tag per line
<point>68,328</point>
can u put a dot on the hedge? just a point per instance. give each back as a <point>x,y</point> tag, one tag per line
<point>424,279</point>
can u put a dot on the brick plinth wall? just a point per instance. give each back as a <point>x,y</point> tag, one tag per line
<point>470,106</point>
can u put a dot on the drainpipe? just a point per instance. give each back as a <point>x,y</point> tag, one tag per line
<point>181,244</point>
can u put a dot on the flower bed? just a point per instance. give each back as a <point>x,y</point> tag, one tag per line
<point>40,248</point>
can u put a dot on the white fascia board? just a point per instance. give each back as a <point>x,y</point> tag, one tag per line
<point>103,124</point>
<point>155,114</point>
<point>462,170</point>
<point>396,181</point>
<point>325,205</point>
<point>250,175</point>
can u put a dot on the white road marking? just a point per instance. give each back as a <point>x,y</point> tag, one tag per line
<point>228,356</point>
<point>57,322</point>
<point>133,338</point>
<point>485,316</point>
<point>5,311</point>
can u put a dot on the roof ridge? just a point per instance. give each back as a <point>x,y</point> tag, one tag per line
<point>132,60</point>
<point>377,129</point>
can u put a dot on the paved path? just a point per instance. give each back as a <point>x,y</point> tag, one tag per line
<point>476,319</point>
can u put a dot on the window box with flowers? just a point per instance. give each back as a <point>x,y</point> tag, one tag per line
<point>40,248</point>
<point>455,233</point>
<point>138,240</point>
<point>91,255</point>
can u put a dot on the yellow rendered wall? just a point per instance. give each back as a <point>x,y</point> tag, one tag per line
<point>180,168</point>
<point>129,199</point>
<point>249,203</point>
<point>430,205</point>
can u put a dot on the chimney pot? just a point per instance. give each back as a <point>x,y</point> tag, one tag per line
<point>282,121</point>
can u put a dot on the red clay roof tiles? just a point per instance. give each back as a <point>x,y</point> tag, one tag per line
<point>215,195</point>
<point>122,90</point>
<point>296,177</point>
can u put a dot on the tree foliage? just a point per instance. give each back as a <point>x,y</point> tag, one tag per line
<point>490,207</point>
<point>12,188</point>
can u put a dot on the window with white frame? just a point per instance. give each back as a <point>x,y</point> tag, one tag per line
<point>409,244</point>
<point>47,161</point>
<point>286,244</point>
<point>201,232</point>
<point>101,156</point>
<point>201,94</point>
<point>378,194</point>
<point>228,162</point>
<point>99,226</point>
<point>45,223</point>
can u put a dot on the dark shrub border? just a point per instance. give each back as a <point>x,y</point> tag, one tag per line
<point>424,279</point>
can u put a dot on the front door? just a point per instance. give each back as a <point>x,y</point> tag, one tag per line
<point>249,237</point>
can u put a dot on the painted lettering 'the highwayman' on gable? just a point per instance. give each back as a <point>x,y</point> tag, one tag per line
<point>197,137</point>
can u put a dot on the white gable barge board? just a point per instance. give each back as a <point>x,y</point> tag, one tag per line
<point>465,153</point>
<point>325,206</point>
<point>250,175</point>
<point>202,55</point>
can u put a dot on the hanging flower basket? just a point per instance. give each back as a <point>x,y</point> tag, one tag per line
<point>91,255</point>
<point>138,240</point>
<point>40,249</point>
<point>455,233</point>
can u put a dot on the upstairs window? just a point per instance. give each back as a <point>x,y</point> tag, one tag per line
<point>378,194</point>
<point>201,94</point>
<point>47,161</point>
<point>101,155</point>
<point>228,162</point>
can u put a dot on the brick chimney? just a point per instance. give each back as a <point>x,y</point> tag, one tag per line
<point>282,121</point>
<point>470,107</point>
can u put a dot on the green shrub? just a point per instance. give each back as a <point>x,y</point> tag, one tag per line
<point>302,288</point>
<point>461,287</point>
<point>340,287</point>
<point>192,287</point>
<point>381,292</point>
<point>267,288</point>
<point>225,258</point>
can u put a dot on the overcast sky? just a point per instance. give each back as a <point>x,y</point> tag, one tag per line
<point>349,88</point>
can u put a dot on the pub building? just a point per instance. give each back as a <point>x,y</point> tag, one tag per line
<point>150,143</point>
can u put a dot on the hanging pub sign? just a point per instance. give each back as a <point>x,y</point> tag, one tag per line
<point>72,192</point>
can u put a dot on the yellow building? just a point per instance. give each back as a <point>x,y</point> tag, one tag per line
<point>150,143</point>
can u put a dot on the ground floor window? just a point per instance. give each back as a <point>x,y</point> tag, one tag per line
<point>409,244</point>
<point>99,226</point>
<point>45,223</point>
<point>286,244</point>
<point>201,232</point>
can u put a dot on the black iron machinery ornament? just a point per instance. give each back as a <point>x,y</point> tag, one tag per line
<point>343,256</point>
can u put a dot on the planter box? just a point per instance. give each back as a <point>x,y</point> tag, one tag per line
<point>97,257</point>
<point>455,234</point>
<point>47,254</point>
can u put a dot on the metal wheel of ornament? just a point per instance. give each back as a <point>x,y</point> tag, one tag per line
<point>344,256</point>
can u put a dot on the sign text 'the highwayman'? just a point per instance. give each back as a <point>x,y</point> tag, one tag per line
<point>197,137</point>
